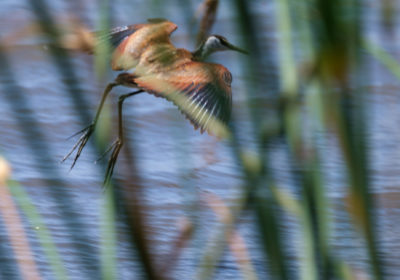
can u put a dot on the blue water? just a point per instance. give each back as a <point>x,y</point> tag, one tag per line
<point>176,163</point>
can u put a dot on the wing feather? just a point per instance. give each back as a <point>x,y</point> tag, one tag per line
<point>116,35</point>
<point>129,42</point>
<point>202,92</point>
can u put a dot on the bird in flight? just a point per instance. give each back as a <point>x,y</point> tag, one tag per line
<point>152,64</point>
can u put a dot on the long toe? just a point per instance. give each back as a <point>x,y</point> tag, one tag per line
<point>113,159</point>
<point>80,144</point>
<point>111,147</point>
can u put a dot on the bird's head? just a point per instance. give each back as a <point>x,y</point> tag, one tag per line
<point>215,43</point>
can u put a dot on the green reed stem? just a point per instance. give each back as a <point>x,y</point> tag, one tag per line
<point>42,232</point>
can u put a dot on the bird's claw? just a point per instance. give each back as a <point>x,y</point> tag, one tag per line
<point>80,144</point>
<point>116,147</point>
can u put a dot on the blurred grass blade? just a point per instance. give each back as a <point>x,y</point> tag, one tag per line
<point>14,228</point>
<point>235,241</point>
<point>347,109</point>
<point>268,222</point>
<point>287,65</point>
<point>387,60</point>
<point>103,50</point>
<point>257,188</point>
<point>42,154</point>
<point>43,234</point>
<point>215,246</point>
<point>108,245</point>
<point>208,9</point>
<point>292,122</point>
<point>286,201</point>
<point>353,140</point>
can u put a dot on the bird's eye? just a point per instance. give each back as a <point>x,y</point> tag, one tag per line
<point>223,40</point>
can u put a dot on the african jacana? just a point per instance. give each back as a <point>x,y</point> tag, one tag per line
<point>201,90</point>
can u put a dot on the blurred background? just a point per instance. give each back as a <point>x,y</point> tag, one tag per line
<point>305,187</point>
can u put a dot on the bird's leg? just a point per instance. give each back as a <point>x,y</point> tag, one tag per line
<point>87,131</point>
<point>116,146</point>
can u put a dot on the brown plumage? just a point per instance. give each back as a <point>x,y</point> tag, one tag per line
<point>162,69</point>
<point>201,90</point>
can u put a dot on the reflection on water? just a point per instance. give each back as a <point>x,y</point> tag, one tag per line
<point>174,170</point>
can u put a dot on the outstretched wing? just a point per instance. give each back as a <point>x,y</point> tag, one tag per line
<point>129,42</point>
<point>116,35</point>
<point>202,91</point>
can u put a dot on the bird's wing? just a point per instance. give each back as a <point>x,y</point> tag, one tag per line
<point>202,91</point>
<point>116,35</point>
<point>131,42</point>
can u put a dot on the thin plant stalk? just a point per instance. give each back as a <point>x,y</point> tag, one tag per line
<point>42,232</point>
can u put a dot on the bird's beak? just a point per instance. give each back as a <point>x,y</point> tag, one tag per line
<point>234,48</point>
